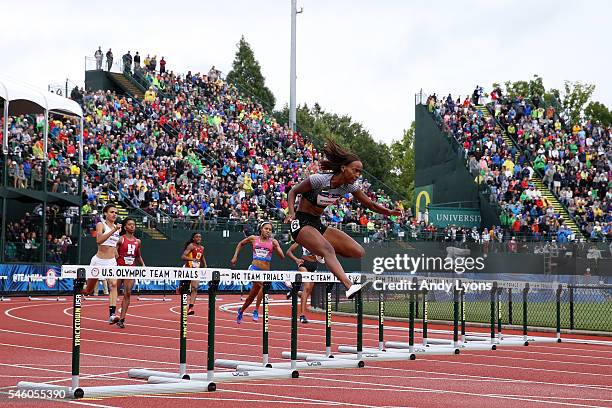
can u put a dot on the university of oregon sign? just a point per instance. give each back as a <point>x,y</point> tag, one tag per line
<point>461,217</point>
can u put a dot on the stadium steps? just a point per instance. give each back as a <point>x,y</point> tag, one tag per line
<point>537,181</point>
<point>125,84</point>
<point>123,212</point>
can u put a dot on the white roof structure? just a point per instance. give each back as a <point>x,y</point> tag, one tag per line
<point>25,99</point>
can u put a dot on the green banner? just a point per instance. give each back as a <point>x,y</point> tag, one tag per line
<point>461,217</point>
<point>423,196</point>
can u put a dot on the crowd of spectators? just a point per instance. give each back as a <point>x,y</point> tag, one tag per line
<point>574,162</point>
<point>194,149</point>
<point>23,237</point>
<point>504,174</point>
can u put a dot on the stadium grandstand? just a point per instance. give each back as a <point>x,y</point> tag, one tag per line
<point>189,151</point>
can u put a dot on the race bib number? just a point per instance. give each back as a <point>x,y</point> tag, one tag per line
<point>295,225</point>
<point>195,264</point>
<point>129,260</point>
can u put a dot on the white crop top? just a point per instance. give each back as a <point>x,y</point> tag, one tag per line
<point>113,239</point>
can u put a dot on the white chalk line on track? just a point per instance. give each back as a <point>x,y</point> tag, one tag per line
<point>288,399</point>
<point>435,391</point>
<point>259,384</point>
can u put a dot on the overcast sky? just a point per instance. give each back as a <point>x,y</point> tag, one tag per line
<point>362,58</point>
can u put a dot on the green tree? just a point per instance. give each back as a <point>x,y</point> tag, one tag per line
<point>598,112</point>
<point>401,177</point>
<point>317,125</point>
<point>532,89</point>
<point>574,100</point>
<point>246,75</point>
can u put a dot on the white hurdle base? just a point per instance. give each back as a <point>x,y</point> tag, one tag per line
<point>146,299</point>
<point>511,342</point>
<point>375,355</point>
<point>444,349</point>
<point>243,373</point>
<point>532,339</point>
<point>439,342</point>
<point>307,365</point>
<point>126,390</point>
<point>46,299</point>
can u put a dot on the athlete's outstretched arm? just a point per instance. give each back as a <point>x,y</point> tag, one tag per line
<point>371,205</point>
<point>300,188</point>
<point>242,243</point>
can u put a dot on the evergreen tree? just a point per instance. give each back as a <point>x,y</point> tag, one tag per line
<point>246,76</point>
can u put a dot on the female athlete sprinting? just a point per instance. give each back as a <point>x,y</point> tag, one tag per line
<point>323,189</point>
<point>193,255</point>
<point>128,254</point>
<point>107,236</point>
<point>263,247</point>
<point>307,263</point>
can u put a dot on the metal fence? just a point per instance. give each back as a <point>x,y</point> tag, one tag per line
<point>582,307</point>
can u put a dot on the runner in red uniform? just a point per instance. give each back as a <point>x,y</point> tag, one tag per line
<point>193,255</point>
<point>128,254</point>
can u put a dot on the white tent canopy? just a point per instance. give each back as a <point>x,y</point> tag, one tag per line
<point>24,99</point>
<point>21,99</point>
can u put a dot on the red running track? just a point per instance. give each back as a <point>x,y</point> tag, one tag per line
<point>35,346</point>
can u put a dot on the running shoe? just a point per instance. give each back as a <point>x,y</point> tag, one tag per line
<point>303,319</point>
<point>255,315</point>
<point>113,319</point>
<point>288,295</point>
<point>239,317</point>
<point>190,311</point>
<point>121,324</point>
<point>353,290</point>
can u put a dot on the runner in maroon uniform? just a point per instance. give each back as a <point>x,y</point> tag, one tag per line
<point>128,254</point>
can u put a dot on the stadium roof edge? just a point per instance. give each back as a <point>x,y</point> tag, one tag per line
<point>23,99</point>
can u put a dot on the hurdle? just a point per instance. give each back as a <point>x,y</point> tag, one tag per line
<point>75,391</point>
<point>242,373</point>
<point>526,338</point>
<point>3,290</point>
<point>357,352</point>
<point>149,299</point>
<point>312,361</point>
<point>428,346</point>
<point>57,298</point>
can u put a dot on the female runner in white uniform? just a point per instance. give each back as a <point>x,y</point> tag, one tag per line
<point>107,236</point>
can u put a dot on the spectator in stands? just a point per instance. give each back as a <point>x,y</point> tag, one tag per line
<point>136,62</point>
<point>127,63</point>
<point>98,56</point>
<point>162,66</point>
<point>109,59</point>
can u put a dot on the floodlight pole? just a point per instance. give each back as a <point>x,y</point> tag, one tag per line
<point>293,76</point>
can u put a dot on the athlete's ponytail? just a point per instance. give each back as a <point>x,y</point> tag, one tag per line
<point>336,157</point>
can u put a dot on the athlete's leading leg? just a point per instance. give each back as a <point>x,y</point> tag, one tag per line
<point>312,240</point>
<point>252,294</point>
<point>194,294</point>
<point>112,301</point>
<point>306,291</point>
<point>125,304</point>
